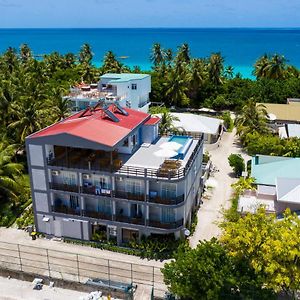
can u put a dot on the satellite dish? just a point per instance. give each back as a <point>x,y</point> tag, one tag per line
<point>187,232</point>
<point>272,117</point>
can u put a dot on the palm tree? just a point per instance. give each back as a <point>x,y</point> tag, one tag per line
<point>260,66</point>
<point>252,118</point>
<point>196,76</point>
<point>166,124</point>
<point>61,105</point>
<point>10,59</point>
<point>215,68</point>
<point>30,115</point>
<point>8,94</point>
<point>111,64</point>
<point>158,55</point>
<point>69,60</point>
<point>169,56</point>
<point>25,53</point>
<point>9,171</point>
<point>229,72</point>
<point>276,67</point>
<point>184,53</point>
<point>177,89</point>
<point>85,54</point>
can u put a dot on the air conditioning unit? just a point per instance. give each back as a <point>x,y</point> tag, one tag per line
<point>55,173</point>
<point>86,176</point>
<point>119,178</point>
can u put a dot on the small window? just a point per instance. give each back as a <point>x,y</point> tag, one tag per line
<point>133,86</point>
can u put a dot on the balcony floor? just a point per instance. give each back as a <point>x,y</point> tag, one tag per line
<point>144,157</point>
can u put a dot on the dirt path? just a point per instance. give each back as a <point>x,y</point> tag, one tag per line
<point>210,212</point>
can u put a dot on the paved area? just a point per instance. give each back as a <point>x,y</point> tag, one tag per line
<point>13,289</point>
<point>210,212</point>
<point>75,262</point>
<point>21,237</point>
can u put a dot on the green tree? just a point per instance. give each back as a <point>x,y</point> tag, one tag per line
<point>157,55</point>
<point>85,54</point>
<point>183,54</point>
<point>25,53</point>
<point>111,64</point>
<point>252,118</point>
<point>9,171</point>
<point>61,105</point>
<point>271,247</point>
<point>237,163</point>
<point>215,68</point>
<point>202,273</point>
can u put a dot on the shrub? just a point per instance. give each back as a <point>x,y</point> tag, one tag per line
<point>237,163</point>
<point>228,122</point>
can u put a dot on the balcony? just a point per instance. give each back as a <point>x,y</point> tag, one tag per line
<point>167,201</point>
<point>63,187</point>
<point>129,196</point>
<point>97,215</point>
<point>63,209</point>
<point>171,225</point>
<point>130,220</point>
<point>92,190</point>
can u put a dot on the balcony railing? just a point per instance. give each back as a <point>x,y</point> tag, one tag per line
<point>66,210</point>
<point>171,225</point>
<point>92,190</point>
<point>75,161</point>
<point>130,220</point>
<point>167,201</point>
<point>63,187</point>
<point>129,196</point>
<point>97,215</point>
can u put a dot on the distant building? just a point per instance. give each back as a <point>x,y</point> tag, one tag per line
<point>106,168</point>
<point>289,131</point>
<point>211,128</point>
<point>278,185</point>
<point>280,114</point>
<point>130,90</point>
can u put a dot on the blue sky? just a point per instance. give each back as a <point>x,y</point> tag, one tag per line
<point>149,13</point>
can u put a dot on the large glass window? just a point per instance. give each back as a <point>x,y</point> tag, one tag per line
<point>134,187</point>
<point>168,215</point>
<point>168,190</point>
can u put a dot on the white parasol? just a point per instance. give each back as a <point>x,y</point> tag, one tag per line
<point>171,145</point>
<point>166,153</point>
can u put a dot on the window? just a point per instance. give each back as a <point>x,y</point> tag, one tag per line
<point>168,191</point>
<point>133,86</point>
<point>168,215</point>
<point>134,187</point>
<point>125,143</point>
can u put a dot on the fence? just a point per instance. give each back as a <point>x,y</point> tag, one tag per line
<point>78,267</point>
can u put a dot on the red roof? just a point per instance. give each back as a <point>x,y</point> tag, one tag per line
<point>152,121</point>
<point>96,126</point>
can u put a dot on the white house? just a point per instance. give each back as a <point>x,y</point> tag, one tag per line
<point>130,90</point>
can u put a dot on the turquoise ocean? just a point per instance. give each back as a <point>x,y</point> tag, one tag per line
<point>240,47</point>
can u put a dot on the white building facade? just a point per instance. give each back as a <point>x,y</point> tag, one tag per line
<point>130,90</point>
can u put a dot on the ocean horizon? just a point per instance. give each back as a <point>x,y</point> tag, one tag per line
<point>240,47</point>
